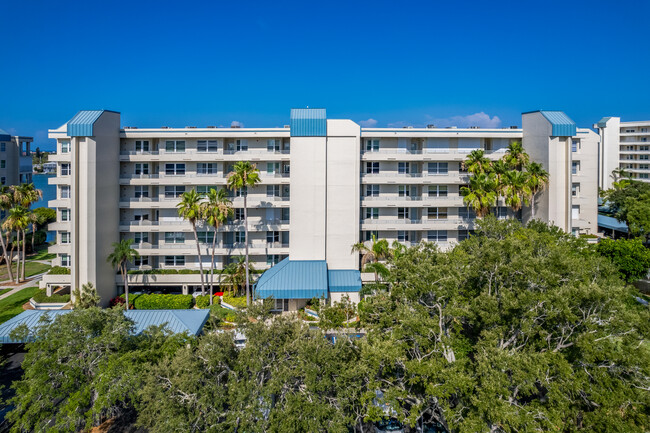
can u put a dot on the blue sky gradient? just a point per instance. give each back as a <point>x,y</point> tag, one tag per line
<point>385,63</point>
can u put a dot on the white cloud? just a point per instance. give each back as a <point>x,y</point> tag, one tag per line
<point>477,119</point>
<point>370,123</point>
<point>400,124</point>
<point>236,124</point>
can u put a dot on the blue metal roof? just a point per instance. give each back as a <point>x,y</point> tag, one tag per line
<point>603,122</point>
<point>4,135</point>
<point>562,125</point>
<point>344,280</point>
<point>81,125</point>
<point>611,223</point>
<point>308,122</point>
<point>294,279</point>
<point>177,321</point>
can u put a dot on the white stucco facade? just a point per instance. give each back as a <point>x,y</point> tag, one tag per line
<point>623,145</point>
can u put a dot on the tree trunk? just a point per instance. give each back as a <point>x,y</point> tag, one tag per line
<point>126,284</point>
<point>11,259</point>
<point>198,250</point>
<point>4,254</point>
<point>248,298</point>
<point>532,207</point>
<point>18,257</point>
<point>34,228</point>
<point>24,256</point>
<point>214,245</point>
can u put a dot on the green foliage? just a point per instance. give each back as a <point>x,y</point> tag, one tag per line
<point>59,270</point>
<point>630,257</point>
<point>235,301</point>
<point>12,305</point>
<point>203,301</point>
<point>86,297</point>
<point>41,297</point>
<point>163,302</point>
<point>630,202</point>
<point>338,315</point>
<point>45,215</point>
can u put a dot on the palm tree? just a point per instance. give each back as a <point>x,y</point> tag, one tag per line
<point>120,258</point>
<point>516,190</point>
<point>216,210</point>
<point>476,162</point>
<point>537,182</point>
<point>619,173</point>
<point>378,250</point>
<point>499,168</point>
<point>18,220</point>
<point>189,208</point>
<point>515,157</point>
<point>6,201</point>
<point>237,273</point>
<point>244,175</point>
<point>481,194</point>
<point>29,195</point>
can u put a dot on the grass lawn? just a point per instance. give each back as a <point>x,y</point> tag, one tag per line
<point>32,268</point>
<point>42,255</point>
<point>13,305</point>
<point>3,291</point>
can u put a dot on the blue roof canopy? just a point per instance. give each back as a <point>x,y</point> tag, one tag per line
<point>562,125</point>
<point>308,122</point>
<point>611,223</point>
<point>603,122</point>
<point>344,280</point>
<point>294,279</point>
<point>177,321</point>
<point>81,125</point>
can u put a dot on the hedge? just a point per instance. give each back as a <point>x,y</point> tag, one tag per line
<point>163,302</point>
<point>237,302</point>
<point>181,271</point>
<point>203,301</point>
<point>41,297</point>
<point>59,270</point>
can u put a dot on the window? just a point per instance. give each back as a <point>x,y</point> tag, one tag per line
<point>466,213</point>
<point>437,213</point>
<point>372,167</point>
<point>372,213</point>
<point>437,236</point>
<point>644,166</point>
<point>174,260</point>
<point>141,217</point>
<point>644,157</point>
<point>175,146</point>
<point>575,167</point>
<point>241,145</point>
<point>205,237</point>
<point>575,189</point>
<point>402,236</point>
<point>65,169</point>
<point>643,175</point>
<point>65,215</point>
<point>575,145</point>
<point>629,130</point>
<point>3,147</point>
<point>372,190</point>
<point>500,212</point>
<point>65,237</point>
<point>141,191</point>
<point>272,259</point>
<point>369,235</point>
<point>141,237</point>
<point>141,169</point>
<point>141,261</point>
<point>3,180</point>
<point>403,167</point>
<point>437,190</point>
<point>64,191</point>
<point>207,146</point>
<point>272,167</point>
<point>273,145</point>
<point>142,145</point>
<point>644,147</point>
<point>272,237</point>
<point>273,190</point>
<point>174,237</point>
<point>65,147</point>
<point>575,212</point>
<point>205,189</point>
<point>174,191</point>
<point>65,260</point>
<point>404,191</point>
<point>281,305</point>
<point>174,169</point>
<point>3,163</point>
<point>402,213</point>
<point>372,145</point>
<point>238,213</point>
<point>240,237</point>
<point>438,168</point>
<point>241,192</point>
<point>464,234</point>
<point>206,168</point>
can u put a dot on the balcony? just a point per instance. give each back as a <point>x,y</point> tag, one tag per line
<point>393,177</point>
<point>395,154</point>
<point>416,224</point>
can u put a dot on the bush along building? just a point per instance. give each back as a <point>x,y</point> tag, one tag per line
<point>326,184</point>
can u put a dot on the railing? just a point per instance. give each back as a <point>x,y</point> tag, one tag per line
<point>256,152</point>
<point>424,221</point>
<point>397,151</point>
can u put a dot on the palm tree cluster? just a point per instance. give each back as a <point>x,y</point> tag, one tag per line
<point>376,252</point>
<point>16,201</point>
<point>512,177</point>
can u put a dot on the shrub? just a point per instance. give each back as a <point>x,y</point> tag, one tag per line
<point>86,297</point>
<point>204,301</point>
<point>118,300</point>
<point>41,297</point>
<point>132,298</point>
<point>237,302</point>
<point>59,270</point>
<point>164,302</point>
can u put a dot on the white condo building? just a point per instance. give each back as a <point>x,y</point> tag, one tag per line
<point>623,145</point>
<point>326,184</point>
<point>15,159</point>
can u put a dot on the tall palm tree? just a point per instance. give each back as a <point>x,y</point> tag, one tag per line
<point>515,157</point>
<point>378,250</point>
<point>537,182</point>
<point>189,208</point>
<point>18,220</point>
<point>243,176</point>
<point>6,200</point>
<point>120,258</point>
<point>516,190</point>
<point>476,162</point>
<point>481,194</point>
<point>619,173</point>
<point>215,209</point>
<point>25,195</point>
<point>237,273</point>
<point>499,168</point>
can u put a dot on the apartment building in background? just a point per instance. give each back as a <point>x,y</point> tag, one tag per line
<point>623,145</point>
<point>15,159</point>
<point>326,184</point>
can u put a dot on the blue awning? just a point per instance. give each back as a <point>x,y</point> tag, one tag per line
<point>294,279</point>
<point>611,223</point>
<point>308,122</point>
<point>562,125</point>
<point>177,321</point>
<point>344,280</point>
<point>81,125</point>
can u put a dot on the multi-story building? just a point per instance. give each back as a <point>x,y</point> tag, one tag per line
<point>623,145</point>
<point>326,184</point>
<point>15,159</point>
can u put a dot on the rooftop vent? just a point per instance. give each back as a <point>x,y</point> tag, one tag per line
<point>235,126</point>
<point>474,127</point>
<point>431,126</point>
<point>211,127</point>
<point>190,127</point>
<point>514,127</point>
<point>287,126</point>
<point>164,127</point>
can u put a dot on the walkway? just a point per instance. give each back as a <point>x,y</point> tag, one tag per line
<point>29,282</point>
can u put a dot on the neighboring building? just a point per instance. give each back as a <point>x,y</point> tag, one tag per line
<point>15,159</point>
<point>49,167</point>
<point>326,184</point>
<point>623,145</point>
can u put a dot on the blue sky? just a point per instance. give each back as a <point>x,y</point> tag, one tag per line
<point>386,63</point>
